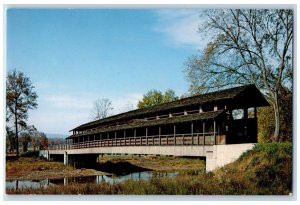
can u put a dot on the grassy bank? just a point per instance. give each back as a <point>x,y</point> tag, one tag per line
<point>267,169</point>
<point>34,168</point>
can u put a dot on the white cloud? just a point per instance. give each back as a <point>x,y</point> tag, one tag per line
<point>61,113</point>
<point>68,102</point>
<point>125,102</point>
<point>181,27</point>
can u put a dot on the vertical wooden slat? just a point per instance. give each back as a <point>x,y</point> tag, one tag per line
<point>174,134</point>
<point>203,127</point>
<point>159,133</point>
<point>134,137</point>
<point>101,139</point>
<point>124,137</point>
<point>215,132</point>
<point>146,136</point>
<point>192,132</point>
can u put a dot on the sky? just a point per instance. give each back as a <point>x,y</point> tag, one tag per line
<point>76,56</point>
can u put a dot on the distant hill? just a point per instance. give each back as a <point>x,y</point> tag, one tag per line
<point>53,135</point>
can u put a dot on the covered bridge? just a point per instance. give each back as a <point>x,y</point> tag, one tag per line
<point>222,117</point>
<point>219,126</point>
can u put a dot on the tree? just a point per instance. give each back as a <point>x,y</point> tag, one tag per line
<point>10,140</point>
<point>155,97</point>
<point>25,138</point>
<point>43,141</point>
<point>101,108</point>
<point>246,46</point>
<point>20,97</point>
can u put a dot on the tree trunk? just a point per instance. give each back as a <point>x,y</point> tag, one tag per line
<point>277,118</point>
<point>16,134</point>
<point>25,147</point>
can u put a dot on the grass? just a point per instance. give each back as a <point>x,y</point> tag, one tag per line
<point>23,165</point>
<point>27,167</point>
<point>265,170</point>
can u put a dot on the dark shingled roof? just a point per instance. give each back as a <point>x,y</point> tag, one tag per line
<point>163,121</point>
<point>198,99</point>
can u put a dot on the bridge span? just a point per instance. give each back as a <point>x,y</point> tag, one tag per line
<point>215,155</point>
<point>218,126</point>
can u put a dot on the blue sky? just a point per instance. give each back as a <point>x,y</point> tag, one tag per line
<point>75,56</point>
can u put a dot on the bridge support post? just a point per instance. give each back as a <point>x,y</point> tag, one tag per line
<point>65,158</point>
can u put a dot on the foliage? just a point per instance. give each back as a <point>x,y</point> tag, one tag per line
<point>56,141</point>
<point>10,140</point>
<point>286,115</point>
<point>20,97</point>
<point>246,46</point>
<point>155,97</point>
<point>101,108</point>
<point>266,121</point>
<point>43,141</point>
<point>265,124</point>
<point>25,138</point>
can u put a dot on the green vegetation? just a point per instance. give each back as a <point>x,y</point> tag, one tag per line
<point>267,170</point>
<point>155,97</point>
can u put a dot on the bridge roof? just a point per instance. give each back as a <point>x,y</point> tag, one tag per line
<point>247,95</point>
<point>163,121</point>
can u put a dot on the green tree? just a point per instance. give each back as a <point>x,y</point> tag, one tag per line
<point>20,97</point>
<point>155,97</point>
<point>246,46</point>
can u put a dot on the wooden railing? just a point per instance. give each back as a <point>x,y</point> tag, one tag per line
<point>155,140</point>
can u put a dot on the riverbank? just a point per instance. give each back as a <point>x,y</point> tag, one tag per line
<point>33,168</point>
<point>265,170</point>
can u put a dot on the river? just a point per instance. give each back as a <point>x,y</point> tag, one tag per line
<point>35,184</point>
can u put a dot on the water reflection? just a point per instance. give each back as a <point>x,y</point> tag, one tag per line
<point>20,184</point>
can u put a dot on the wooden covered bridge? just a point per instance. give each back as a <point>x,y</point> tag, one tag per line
<point>218,125</point>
